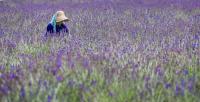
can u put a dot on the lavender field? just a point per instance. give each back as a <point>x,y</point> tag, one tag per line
<point>116,51</point>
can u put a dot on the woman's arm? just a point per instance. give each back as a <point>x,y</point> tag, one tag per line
<point>65,29</point>
<point>49,28</point>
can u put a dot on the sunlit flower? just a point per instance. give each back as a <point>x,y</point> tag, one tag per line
<point>178,71</point>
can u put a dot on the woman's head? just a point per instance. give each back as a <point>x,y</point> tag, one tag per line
<point>60,17</point>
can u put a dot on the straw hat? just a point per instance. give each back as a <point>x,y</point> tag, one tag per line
<point>60,16</point>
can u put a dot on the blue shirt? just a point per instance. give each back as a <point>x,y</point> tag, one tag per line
<point>59,29</point>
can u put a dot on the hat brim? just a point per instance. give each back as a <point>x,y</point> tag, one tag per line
<point>62,19</point>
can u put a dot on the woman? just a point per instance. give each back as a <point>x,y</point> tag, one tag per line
<point>56,25</point>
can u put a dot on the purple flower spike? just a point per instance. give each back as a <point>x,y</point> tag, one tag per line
<point>54,71</point>
<point>94,82</point>
<point>196,37</point>
<point>12,75</point>
<point>195,45</point>
<point>168,85</point>
<point>59,59</point>
<point>12,67</point>
<point>110,94</point>
<point>71,64</point>
<point>185,72</point>
<point>179,90</point>
<point>71,83</point>
<point>81,86</point>
<point>58,63</point>
<point>1,32</point>
<point>190,86</point>
<point>158,71</point>
<point>59,78</point>
<point>178,71</point>
<point>86,63</point>
<point>22,92</point>
<point>4,89</point>
<point>78,55</point>
<point>49,98</point>
<point>2,67</point>
<point>147,78</point>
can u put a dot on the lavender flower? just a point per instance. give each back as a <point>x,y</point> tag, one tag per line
<point>147,78</point>
<point>190,86</point>
<point>185,72</point>
<point>54,71</point>
<point>196,37</point>
<point>40,82</point>
<point>59,78</point>
<point>2,67</point>
<point>158,71</point>
<point>134,34</point>
<point>22,92</point>
<point>11,45</point>
<point>141,94</point>
<point>183,83</point>
<point>179,90</point>
<point>178,71</point>
<point>71,64</point>
<point>71,83</point>
<point>195,45</point>
<point>58,63</point>
<point>93,82</point>
<point>1,32</point>
<point>12,75</point>
<point>168,85</point>
<point>82,87</point>
<point>86,63</point>
<point>12,67</point>
<point>49,98</point>
<point>78,55</point>
<point>110,94</point>
<point>4,89</point>
<point>59,59</point>
<point>31,65</point>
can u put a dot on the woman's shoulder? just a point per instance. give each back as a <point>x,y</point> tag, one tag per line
<point>49,25</point>
<point>64,25</point>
